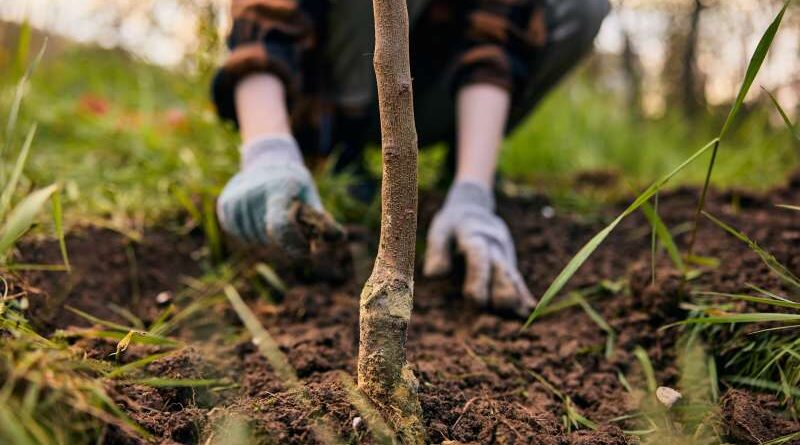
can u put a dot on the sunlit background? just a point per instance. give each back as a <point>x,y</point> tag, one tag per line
<point>164,32</point>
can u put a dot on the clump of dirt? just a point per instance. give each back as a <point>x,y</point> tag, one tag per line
<point>753,418</point>
<point>483,379</point>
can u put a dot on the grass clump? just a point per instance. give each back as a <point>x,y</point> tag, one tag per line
<point>766,356</point>
<point>51,394</point>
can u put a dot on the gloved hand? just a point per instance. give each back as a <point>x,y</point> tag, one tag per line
<point>254,205</point>
<point>467,220</point>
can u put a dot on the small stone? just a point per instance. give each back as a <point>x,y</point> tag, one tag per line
<point>668,396</point>
<point>164,297</point>
<point>548,212</point>
<point>356,423</point>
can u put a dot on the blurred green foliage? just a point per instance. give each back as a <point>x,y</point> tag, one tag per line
<point>123,137</point>
<point>583,126</point>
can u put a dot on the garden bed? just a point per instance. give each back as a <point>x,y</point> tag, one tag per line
<point>483,379</point>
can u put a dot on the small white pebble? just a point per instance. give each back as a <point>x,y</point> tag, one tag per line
<point>668,396</point>
<point>356,422</point>
<point>548,212</point>
<point>24,304</point>
<point>163,297</point>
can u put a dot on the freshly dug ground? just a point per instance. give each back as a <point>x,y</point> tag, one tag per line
<point>475,367</point>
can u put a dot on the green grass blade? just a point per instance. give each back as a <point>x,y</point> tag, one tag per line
<point>23,47</point>
<point>547,385</point>
<point>32,267</point>
<point>754,67</point>
<point>600,322</point>
<point>21,218</point>
<point>97,320</point>
<point>772,262</point>
<point>158,382</point>
<point>129,316</point>
<point>594,315</point>
<point>783,114</point>
<point>577,418</point>
<point>653,239</point>
<point>713,378</point>
<point>586,251</point>
<point>647,368</point>
<point>762,384</point>
<point>11,428</point>
<point>752,299</point>
<point>269,348</point>
<point>211,229</point>
<point>756,317</point>
<point>783,439</point>
<point>13,114</point>
<point>11,186</point>
<point>58,222</point>
<point>129,367</point>
<point>136,337</point>
<point>271,277</point>
<point>752,70</point>
<point>119,416</point>
<point>170,319</point>
<point>768,294</point>
<point>664,236</point>
<point>261,338</point>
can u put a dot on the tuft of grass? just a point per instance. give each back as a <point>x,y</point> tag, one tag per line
<point>767,358</point>
<point>573,419</point>
<point>50,392</point>
<point>17,218</point>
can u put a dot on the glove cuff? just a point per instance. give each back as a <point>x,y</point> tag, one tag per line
<point>470,193</point>
<point>271,150</point>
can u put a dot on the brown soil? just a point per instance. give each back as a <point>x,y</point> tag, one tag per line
<point>475,368</point>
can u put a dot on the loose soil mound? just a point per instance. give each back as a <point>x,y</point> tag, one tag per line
<point>475,368</point>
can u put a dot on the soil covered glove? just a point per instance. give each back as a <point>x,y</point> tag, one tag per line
<point>255,205</point>
<point>468,222</point>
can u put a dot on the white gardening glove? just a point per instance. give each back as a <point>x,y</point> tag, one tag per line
<point>255,205</point>
<point>467,221</point>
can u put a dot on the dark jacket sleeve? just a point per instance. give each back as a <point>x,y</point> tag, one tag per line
<point>500,41</point>
<point>268,36</point>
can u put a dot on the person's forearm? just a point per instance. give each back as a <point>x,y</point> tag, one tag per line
<point>261,107</point>
<point>482,112</point>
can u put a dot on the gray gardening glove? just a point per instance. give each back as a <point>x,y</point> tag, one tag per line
<point>467,221</point>
<point>255,204</point>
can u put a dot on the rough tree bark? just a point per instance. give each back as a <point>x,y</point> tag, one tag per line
<point>387,297</point>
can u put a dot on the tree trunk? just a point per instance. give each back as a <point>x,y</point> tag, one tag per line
<point>387,298</point>
<point>693,86</point>
<point>633,75</point>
